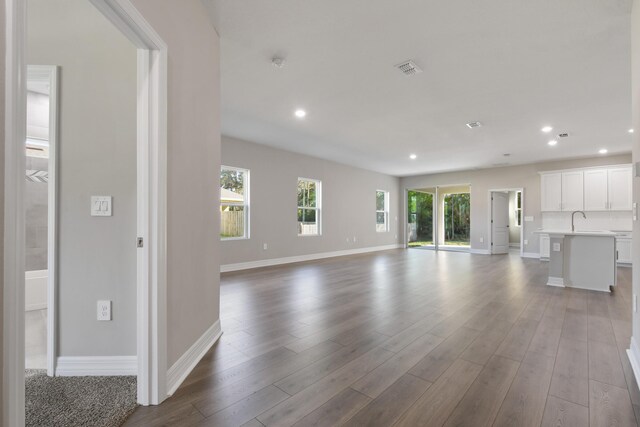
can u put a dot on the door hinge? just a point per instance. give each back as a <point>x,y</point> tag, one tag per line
<point>140,242</point>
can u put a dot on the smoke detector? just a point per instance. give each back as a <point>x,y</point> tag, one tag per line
<point>409,68</point>
<point>473,125</point>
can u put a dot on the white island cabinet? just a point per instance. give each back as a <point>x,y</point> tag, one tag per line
<point>582,259</point>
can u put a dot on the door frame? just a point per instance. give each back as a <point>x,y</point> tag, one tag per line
<point>151,195</point>
<point>49,74</point>
<point>490,225</point>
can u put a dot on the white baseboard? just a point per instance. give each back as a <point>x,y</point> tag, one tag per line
<point>634,358</point>
<point>183,366</point>
<point>104,366</point>
<point>480,251</point>
<point>531,255</point>
<point>301,258</point>
<point>556,281</point>
<point>514,245</point>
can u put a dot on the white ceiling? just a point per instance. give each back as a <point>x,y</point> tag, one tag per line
<point>512,65</point>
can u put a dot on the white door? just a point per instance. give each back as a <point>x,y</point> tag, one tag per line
<point>595,190</point>
<point>551,191</point>
<point>620,188</point>
<point>572,191</point>
<point>499,223</point>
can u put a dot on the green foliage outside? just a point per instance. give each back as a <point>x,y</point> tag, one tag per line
<point>457,210</point>
<point>232,180</point>
<point>421,214</point>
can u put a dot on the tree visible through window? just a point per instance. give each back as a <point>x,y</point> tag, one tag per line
<point>519,208</point>
<point>382,211</point>
<point>234,203</point>
<point>309,198</point>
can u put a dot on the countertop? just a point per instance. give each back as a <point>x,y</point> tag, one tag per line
<point>596,233</point>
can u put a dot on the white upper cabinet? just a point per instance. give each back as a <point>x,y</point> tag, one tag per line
<point>596,190</point>
<point>551,191</point>
<point>572,197</point>
<point>620,188</point>
<point>591,189</point>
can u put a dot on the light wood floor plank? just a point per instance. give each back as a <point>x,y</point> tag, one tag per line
<point>609,406</point>
<point>561,413</point>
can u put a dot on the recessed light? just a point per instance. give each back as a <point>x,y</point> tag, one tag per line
<point>546,129</point>
<point>413,156</point>
<point>603,151</point>
<point>552,142</point>
<point>630,130</point>
<point>300,113</point>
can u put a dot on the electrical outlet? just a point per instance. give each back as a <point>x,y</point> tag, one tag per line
<point>265,246</point>
<point>354,239</point>
<point>104,310</point>
<point>481,239</point>
<point>556,247</point>
<point>526,242</point>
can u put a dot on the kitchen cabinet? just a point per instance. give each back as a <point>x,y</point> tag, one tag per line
<point>572,196</point>
<point>620,182</point>
<point>596,190</point>
<point>551,192</point>
<point>589,189</point>
<point>623,246</point>
<point>545,246</point>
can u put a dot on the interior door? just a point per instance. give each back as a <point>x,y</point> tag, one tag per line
<point>499,223</point>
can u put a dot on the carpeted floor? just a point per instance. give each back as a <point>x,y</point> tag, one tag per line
<point>78,401</point>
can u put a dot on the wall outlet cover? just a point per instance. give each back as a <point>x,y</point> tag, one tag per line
<point>101,205</point>
<point>104,310</point>
<point>556,247</point>
<point>482,240</point>
<point>528,219</point>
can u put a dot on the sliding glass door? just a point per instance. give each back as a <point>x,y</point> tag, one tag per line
<point>420,230</point>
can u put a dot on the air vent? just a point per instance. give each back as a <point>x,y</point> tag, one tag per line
<point>409,68</point>
<point>473,125</point>
<point>563,135</point>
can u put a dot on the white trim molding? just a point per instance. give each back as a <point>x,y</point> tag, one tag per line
<point>185,364</point>
<point>556,281</point>
<point>534,255</point>
<point>85,366</point>
<point>634,358</point>
<point>301,258</point>
<point>480,251</point>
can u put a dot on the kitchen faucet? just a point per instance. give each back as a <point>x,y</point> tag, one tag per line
<point>573,214</point>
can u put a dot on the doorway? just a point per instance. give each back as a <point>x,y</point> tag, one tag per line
<point>506,221</point>
<point>439,218</point>
<point>151,137</point>
<point>40,216</point>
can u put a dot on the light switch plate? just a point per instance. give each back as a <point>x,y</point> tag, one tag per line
<point>556,247</point>
<point>104,310</point>
<point>528,219</point>
<point>101,205</point>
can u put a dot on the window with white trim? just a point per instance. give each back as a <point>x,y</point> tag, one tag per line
<point>234,203</point>
<point>309,204</point>
<point>382,211</point>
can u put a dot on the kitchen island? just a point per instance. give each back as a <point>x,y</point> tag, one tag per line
<point>582,259</point>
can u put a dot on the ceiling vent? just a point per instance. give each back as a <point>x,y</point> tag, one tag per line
<point>409,68</point>
<point>474,125</point>
<point>563,135</point>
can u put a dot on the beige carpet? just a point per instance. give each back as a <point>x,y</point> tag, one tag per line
<point>78,401</point>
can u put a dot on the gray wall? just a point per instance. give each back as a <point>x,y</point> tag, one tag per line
<point>348,204</point>
<point>635,99</point>
<point>36,217</point>
<point>523,176</point>
<point>193,283</point>
<point>97,156</point>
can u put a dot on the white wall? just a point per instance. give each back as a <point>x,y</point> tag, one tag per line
<point>97,156</point>
<point>524,176</point>
<point>193,283</point>
<point>2,122</point>
<point>348,204</point>
<point>635,99</point>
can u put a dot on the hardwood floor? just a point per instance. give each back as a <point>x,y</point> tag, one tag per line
<point>411,338</point>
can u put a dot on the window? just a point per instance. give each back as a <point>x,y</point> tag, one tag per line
<point>382,211</point>
<point>234,203</point>
<point>309,202</point>
<point>518,208</point>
